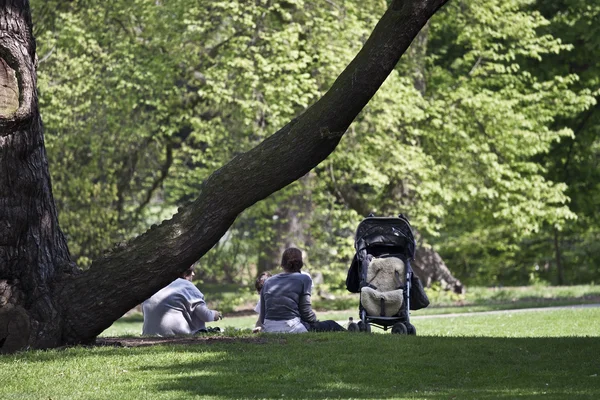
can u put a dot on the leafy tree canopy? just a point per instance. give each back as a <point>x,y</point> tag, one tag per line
<point>143,100</point>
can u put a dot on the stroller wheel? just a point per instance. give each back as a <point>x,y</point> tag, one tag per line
<point>399,328</point>
<point>410,329</point>
<point>363,326</point>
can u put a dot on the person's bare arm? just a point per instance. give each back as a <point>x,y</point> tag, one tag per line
<point>261,314</point>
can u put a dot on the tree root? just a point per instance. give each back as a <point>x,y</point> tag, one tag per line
<point>14,329</point>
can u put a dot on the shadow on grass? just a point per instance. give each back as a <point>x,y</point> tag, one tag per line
<point>347,365</point>
<point>355,366</point>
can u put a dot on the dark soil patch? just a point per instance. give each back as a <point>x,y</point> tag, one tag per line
<point>182,340</point>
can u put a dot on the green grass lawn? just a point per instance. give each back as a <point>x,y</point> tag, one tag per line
<point>549,354</point>
<point>316,366</point>
<point>518,354</point>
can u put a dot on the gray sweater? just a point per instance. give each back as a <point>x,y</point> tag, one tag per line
<point>286,296</point>
<point>177,309</point>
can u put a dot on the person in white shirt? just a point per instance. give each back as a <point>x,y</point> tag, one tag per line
<point>177,309</point>
<point>258,285</point>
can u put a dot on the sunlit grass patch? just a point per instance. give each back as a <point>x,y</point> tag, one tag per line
<point>534,323</point>
<point>337,365</point>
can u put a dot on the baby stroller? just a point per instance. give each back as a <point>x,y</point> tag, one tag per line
<point>381,273</point>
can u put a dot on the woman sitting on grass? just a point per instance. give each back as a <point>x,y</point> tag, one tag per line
<point>285,305</point>
<point>178,309</point>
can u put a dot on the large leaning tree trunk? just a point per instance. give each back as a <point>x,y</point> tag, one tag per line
<point>48,302</point>
<point>33,251</point>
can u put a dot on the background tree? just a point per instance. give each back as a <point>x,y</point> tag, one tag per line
<point>478,101</point>
<point>117,170</point>
<point>568,254</point>
<point>505,115</point>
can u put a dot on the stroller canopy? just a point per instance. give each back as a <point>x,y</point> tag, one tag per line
<point>384,232</point>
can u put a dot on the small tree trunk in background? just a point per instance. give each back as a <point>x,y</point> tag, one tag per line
<point>430,267</point>
<point>559,266</point>
<point>291,229</point>
<point>418,52</point>
<point>267,253</point>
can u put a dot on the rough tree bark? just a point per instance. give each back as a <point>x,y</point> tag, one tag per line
<point>46,301</point>
<point>33,250</point>
<point>430,267</point>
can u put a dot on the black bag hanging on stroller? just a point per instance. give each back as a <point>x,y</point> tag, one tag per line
<point>353,277</point>
<point>387,245</point>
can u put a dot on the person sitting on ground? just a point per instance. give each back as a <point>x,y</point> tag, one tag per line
<point>285,305</point>
<point>258,285</point>
<point>178,309</point>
